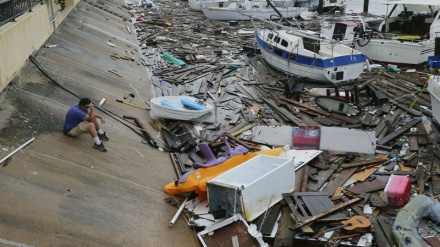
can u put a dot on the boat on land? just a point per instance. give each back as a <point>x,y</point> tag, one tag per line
<point>328,5</point>
<point>405,37</point>
<point>244,10</point>
<point>303,53</point>
<point>195,181</point>
<point>197,5</point>
<point>178,107</point>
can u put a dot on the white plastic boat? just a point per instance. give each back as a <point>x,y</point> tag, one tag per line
<point>197,5</point>
<point>176,107</point>
<point>241,11</point>
<point>305,54</point>
<point>406,36</point>
<point>328,5</point>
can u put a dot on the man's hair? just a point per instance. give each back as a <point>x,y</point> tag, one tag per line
<point>84,101</point>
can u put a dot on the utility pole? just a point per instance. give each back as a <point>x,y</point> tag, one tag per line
<point>366,3</point>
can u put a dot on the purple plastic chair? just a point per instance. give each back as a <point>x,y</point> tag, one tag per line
<point>210,158</point>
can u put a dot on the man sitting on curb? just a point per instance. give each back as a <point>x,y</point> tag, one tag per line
<point>82,119</point>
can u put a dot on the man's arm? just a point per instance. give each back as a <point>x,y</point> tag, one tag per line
<point>92,115</point>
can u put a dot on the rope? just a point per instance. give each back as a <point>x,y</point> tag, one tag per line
<point>418,95</point>
<point>111,114</point>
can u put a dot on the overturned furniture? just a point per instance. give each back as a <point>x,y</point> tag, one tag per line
<point>249,188</point>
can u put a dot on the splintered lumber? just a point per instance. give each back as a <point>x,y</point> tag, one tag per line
<point>351,120</point>
<point>365,162</point>
<point>241,77</point>
<point>285,113</point>
<point>314,109</point>
<point>238,132</point>
<point>380,236</point>
<point>304,179</point>
<point>342,177</point>
<point>247,91</point>
<point>325,213</point>
<point>398,132</point>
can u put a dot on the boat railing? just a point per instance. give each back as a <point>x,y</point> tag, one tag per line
<point>11,9</point>
<point>261,24</point>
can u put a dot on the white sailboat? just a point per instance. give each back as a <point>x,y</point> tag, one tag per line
<point>328,5</point>
<point>197,5</point>
<point>406,36</point>
<point>238,11</point>
<point>305,54</point>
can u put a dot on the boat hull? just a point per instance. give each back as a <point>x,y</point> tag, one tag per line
<point>225,14</point>
<point>398,52</point>
<point>328,5</point>
<point>197,5</point>
<point>178,113</point>
<point>323,69</point>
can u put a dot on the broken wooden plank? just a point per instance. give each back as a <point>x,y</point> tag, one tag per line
<point>369,186</point>
<point>364,162</point>
<point>325,213</point>
<point>398,132</point>
<point>379,235</point>
<point>283,111</point>
<point>314,109</point>
<point>341,178</point>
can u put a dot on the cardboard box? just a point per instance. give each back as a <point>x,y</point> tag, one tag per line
<point>397,190</point>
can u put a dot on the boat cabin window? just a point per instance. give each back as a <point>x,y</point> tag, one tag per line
<point>292,56</point>
<point>311,45</point>
<point>284,43</point>
<point>411,25</point>
<point>269,47</point>
<point>240,6</point>
<point>255,7</point>
<point>277,39</point>
<point>278,52</point>
<point>270,36</point>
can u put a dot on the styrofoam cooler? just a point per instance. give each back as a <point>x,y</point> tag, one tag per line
<point>397,190</point>
<point>252,187</point>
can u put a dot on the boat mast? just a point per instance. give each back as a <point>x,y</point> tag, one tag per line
<point>276,10</point>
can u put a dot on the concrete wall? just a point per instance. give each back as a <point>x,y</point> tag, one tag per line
<point>19,39</point>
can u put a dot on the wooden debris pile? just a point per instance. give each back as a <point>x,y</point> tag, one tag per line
<point>224,68</point>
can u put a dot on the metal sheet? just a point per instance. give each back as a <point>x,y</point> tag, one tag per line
<point>300,157</point>
<point>272,135</point>
<point>347,140</point>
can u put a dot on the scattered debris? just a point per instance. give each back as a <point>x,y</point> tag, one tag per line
<point>348,139</point>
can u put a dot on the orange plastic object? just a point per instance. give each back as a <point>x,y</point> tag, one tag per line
<point>196,181</point>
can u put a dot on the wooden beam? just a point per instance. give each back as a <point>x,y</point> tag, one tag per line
<point>317,110</point>
<point>325,213</point>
